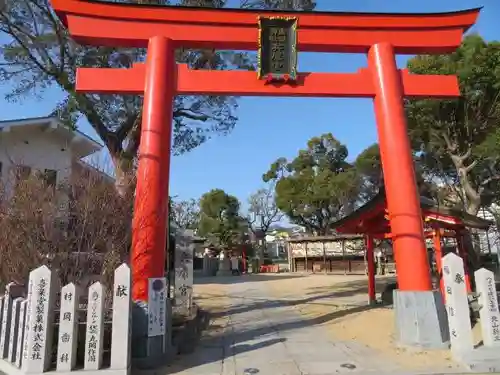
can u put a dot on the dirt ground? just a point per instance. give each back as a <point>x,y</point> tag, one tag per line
<point>340,304</point>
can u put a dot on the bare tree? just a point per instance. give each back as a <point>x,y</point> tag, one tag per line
<point>185,213</point>
<point>262,210</point>
<point>306,5</point>
<point>81,229</point>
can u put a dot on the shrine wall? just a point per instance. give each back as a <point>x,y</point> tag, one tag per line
<point>327,247</point>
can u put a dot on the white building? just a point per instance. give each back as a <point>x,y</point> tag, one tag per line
<point>42,144</point>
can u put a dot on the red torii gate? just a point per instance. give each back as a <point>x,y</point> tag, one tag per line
<point>161,29</point>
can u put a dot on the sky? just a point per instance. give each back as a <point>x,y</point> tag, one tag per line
<point>269,128</point>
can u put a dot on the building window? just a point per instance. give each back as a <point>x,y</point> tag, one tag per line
<point>50,177</point>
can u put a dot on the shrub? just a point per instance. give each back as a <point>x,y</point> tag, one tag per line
<point>81,229</point>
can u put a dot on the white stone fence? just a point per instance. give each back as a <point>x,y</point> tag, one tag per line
<point>36,338</point>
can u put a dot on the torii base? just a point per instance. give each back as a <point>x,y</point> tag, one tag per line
<point>421,320</point>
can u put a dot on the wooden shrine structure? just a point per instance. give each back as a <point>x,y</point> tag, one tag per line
<point>372,220</point>
<point>341,254</point>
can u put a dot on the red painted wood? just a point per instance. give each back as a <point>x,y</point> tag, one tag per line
<point>149,227</point>
<point>438,253</point>
<point>113,33</point>
<point>245,83</point>
<point>462,252</point>
<point>248,18</point>
<point>403,201</point>
<point>370,260</point>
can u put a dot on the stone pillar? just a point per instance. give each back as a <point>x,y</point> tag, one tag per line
<point>68,328</point>
<point>39,322</point>
<point>122,319</point>
<point>224,265</point>
<point>183,272</point>
<point>95,327</point>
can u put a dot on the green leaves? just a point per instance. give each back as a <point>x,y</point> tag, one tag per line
<point>318,186</point>
<point>219,218</point>
<point>457,139</point>
<point>369,168</point>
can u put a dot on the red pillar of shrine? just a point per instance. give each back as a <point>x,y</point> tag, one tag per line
<point>370,259</point>
<point>438,253</point>
<point>399,174</point>
<point>149,229</point>
<point>462,253</point>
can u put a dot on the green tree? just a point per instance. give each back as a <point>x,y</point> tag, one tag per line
<point>37,53</point>
<point>220,220</point>
<point>369,168</point>
<point>458,140</point>
<point>317,187</point>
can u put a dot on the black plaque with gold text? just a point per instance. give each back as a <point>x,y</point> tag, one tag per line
<point>277,48</point>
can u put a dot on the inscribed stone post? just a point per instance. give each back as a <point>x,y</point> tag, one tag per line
<point>2,298</point>
<point>95,327</point>
<point>14,351</point>
<point>122,319</point>
<point>12,291</point>
<point>6,318</point>
<point>68,328</point>
<point>207,271</point>
<point>457,304</point>
<point>183,271</point>
<point>38,342</point>
<point>27,323</point>
<point>488,300</point>
<point>20,332</point>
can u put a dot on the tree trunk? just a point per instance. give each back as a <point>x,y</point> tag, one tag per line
<point>124,177</point>
<point>472,201</point>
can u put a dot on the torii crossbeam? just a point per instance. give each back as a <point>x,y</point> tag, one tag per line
<point>162,29</point>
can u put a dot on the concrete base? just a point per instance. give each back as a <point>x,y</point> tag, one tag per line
<point>7,368</point>
<point>150,352</point>
<point>421,320</point>
<point>224,273</point>
<point>480,360</point>
<point>224,267</point>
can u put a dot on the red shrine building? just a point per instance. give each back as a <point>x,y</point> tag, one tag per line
<point>440,223</point>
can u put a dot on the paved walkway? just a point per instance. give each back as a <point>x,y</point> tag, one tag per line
<point>255,334</point>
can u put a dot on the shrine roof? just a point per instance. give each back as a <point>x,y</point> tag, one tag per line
<point>373,214</point>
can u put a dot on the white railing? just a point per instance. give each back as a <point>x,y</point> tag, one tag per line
<point>36,338</point>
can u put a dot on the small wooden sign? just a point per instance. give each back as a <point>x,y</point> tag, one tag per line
<point>277,55</point>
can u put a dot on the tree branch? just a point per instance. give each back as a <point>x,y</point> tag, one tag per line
<point>187,113</point>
